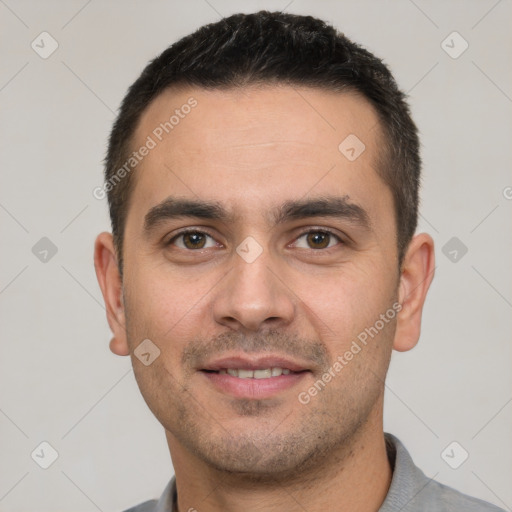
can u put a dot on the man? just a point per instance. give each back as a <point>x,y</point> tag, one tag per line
<point>263,178</point>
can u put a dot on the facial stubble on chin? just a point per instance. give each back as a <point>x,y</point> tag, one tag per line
<point>280,454</point>
<point>298,451</point>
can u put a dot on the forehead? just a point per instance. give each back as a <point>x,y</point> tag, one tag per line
<point>250,147</point>
<point>261,115</point>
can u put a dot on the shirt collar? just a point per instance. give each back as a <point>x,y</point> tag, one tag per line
<point>407,481</point>
<point>169,498</point>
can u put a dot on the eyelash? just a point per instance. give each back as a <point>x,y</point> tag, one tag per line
<point>307,232</point>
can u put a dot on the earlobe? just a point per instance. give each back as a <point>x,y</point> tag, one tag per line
<point>119,347</point>
<point>109,279</point>
<point>416,275</point>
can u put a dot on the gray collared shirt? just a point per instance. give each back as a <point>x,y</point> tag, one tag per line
<point>410,490</point>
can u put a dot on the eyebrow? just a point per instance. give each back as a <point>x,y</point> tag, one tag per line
<point>330,206</point>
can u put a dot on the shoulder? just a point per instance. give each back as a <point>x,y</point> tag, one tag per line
<point>412,491</point>
<point>166,503</point>
<point>147,506</point>
<point>441,498</point>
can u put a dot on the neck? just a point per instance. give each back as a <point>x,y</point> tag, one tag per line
<point>354,478</point>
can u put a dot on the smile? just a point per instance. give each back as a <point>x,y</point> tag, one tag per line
<point>253,384</point>
<point>254,374</point>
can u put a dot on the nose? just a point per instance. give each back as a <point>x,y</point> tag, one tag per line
<point>253,296</point>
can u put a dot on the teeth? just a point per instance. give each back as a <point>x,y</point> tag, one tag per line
<point>254,374</point>
<point>263,374</point>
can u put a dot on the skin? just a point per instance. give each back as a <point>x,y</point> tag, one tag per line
<point>251,150</point>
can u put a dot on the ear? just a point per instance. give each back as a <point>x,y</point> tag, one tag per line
<point>109,279</point>
<point>416,275</point>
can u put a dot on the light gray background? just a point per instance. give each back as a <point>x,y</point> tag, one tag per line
<point>60,383</point>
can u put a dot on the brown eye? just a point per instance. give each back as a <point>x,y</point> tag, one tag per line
<point>192,240</point>
<point>317,240</point>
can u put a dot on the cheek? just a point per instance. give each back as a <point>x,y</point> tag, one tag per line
<point>158,301</point>
<point>168,311</point>
<point>345,305</point>
<point>161,387</point>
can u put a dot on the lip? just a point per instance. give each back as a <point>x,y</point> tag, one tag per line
<point>256,389</point>
<point>255,363</point>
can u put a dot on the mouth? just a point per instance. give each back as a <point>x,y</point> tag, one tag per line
<point>254,378</point>
<point>243,373</point>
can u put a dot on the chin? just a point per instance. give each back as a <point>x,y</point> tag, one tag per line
<point>272,459</point>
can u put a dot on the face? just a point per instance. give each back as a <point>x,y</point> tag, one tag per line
<point>256,257</point>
